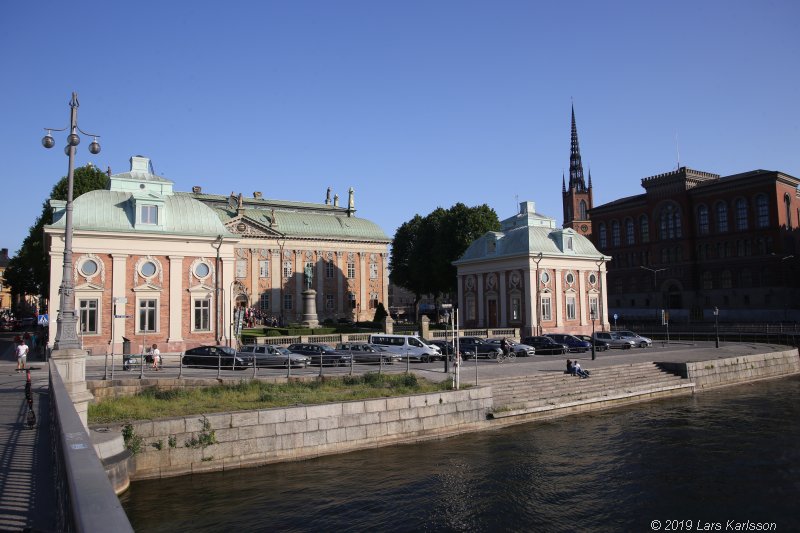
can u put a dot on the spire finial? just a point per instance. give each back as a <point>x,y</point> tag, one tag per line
<point>575,166</point>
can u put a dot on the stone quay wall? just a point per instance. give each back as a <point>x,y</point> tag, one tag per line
<point>179,446</point>
<point>736,370</point>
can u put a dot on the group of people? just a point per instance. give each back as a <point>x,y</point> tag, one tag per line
<point>574,368</point>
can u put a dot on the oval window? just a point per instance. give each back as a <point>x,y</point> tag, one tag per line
<point>202,270</point>
<point>89,268</point>
<point>545,277</point>
<point>570,277</point>
<point>592,279</point>
<point>148,269</point>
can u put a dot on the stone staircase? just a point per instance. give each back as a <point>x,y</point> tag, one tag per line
<point>556,394</point>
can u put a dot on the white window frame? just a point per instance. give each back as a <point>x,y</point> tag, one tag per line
<point>351,270</point>
<point>571,307</point>
<point>546,308</point>
<point>263,301</point>
<point>263,268</point>
<point>373,271</point>
<point>153,328</point>
<point>89,317</point>
<point>203,307</point>
<point>288,269</point>
<point>148,214</point>
<point>241,268</point>
<point>329,268</point>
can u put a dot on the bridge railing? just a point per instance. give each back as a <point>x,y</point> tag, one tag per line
<point>85,499</point>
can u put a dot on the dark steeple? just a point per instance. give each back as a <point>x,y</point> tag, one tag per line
<point>575,166</point>
<point>563,183</point>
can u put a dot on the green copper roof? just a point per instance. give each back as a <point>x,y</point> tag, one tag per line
<point>104,210</point>
<point>311,223</point>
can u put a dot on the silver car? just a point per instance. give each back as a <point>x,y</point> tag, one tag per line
<point>614,340</point>
<point>641,342</point>
<point>520,350</point>
<point>265,355</point>
<point>364,352</point>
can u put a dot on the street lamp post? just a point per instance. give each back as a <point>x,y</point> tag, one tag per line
<point>66,330</point>
<point>655,272</point>
<point>716,325</point>
<point>593,316</point>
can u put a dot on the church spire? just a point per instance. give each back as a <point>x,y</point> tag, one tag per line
<point>563,183</point>
<point>575,166</point>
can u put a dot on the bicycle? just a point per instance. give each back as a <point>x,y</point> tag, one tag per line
<point>502,358</point>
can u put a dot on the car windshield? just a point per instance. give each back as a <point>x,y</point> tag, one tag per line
<point>327,349</point>
<point>281,350</point>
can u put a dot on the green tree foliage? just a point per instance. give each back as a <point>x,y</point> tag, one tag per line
<point>28,271</point>
<point>423,249</point>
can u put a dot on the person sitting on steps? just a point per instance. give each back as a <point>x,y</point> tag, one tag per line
<point>570,368</point>
<point>583,374</point>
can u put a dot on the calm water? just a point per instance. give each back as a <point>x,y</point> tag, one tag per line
<point>725,455</point>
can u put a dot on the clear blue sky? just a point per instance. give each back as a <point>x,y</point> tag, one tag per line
<point>415,104</point>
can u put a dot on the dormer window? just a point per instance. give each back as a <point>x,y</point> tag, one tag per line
<point>148,214</point>
<point>491,246</point>
<point>569,244</point>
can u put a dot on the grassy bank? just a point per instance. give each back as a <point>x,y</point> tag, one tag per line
<point>153,403</point>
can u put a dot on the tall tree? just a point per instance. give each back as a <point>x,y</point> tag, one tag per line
<point>423,249</point>
<point>28,271</point>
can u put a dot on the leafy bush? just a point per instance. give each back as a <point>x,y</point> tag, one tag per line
<point>133,442</point>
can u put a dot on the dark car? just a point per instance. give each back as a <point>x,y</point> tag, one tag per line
<point>213,357</point>
<point>321,353</point>
<point>470,346</point>
<point>545,345</point>
<point>364,352</point>
<point>574,344</point>
<point>599,346</point>
<point>264,355</point>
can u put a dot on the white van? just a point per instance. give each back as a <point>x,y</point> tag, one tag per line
<point>409,345</point>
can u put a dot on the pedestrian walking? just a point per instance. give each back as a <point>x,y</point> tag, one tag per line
<point>22,355</point>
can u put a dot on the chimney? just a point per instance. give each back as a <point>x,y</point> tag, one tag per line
<point>197,189</point>
<point>335,200</point>
<point>257,195</point>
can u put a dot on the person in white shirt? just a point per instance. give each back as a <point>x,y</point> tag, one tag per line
<point>22,356</point>
<point>156,354</point>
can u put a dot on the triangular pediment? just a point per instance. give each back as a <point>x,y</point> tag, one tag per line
<point>202,288</point>
<point>247,227</point>
<point>89,287</point>
<point>146,287</point>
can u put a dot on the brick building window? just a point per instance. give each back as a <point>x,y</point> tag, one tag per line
<point>351,270</point>
<point>147,316</point>
<point>570,308</point>
<point>741,214</point>
<point>644,228</point>
<point>708,280</point>
<point>603,238</point>
<point>722,217</point>
<point>762,211</point>
<point>287,269</point>
<point>670,222</point>
<point>263,301</point>
<point>546,309</point>
<point>329,302</point>
<point>702,220</point>
<point>629,236</point>
<point>615,240</point>
<point>329,268</point>
<point>88,316</point>
<point>201,315</point>
<point>287,302</point>
<point>263,268</point>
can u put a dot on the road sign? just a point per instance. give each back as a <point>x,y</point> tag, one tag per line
<point>43,320</point>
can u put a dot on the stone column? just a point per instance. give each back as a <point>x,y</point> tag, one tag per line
<point>276,281</point>
<point>176,298</point>
<point>480,296</point>
<point>118,290</point>
<point>460,301</point>
<point>362,283</point>
<point>502,301</point>
<point>531,297</point>
<point>558,295</point>
<point>342,274</point>
<point>425,327</point>
<point>583,301</point>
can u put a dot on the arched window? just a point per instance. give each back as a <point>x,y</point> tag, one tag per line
<point>725,279</point>
<point>702,220</point>
<point>629,238</point>
<point>603,238</point>
<point>644,229</point>
<point>722,217</point>
<point>745,278</point>
<point>762,211</point>
<point>582,209</point>
<point>670,222</point>
<point>741,214</point>
<point>615,241</point>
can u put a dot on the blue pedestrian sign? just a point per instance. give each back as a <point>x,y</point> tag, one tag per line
<point>43,320</point>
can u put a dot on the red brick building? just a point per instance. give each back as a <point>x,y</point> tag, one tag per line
<point>695,240</point>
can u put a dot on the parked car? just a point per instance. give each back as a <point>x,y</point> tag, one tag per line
<point>409,346</point>
<point>364,352</point>
<point>520,350</point>
<point>213,357</point>
<point>599,346</point>
<point>477,347</point>
<point>614,340</point>
<point>265,355</point>
<point>545,345</point>
<point>641,342</point>
<point>574,344</point>
<point>321,354</point>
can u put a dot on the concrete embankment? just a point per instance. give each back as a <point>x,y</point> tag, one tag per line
<point>222,441</point>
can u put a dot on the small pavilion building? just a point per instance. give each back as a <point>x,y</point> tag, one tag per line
<point>533,276</point>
